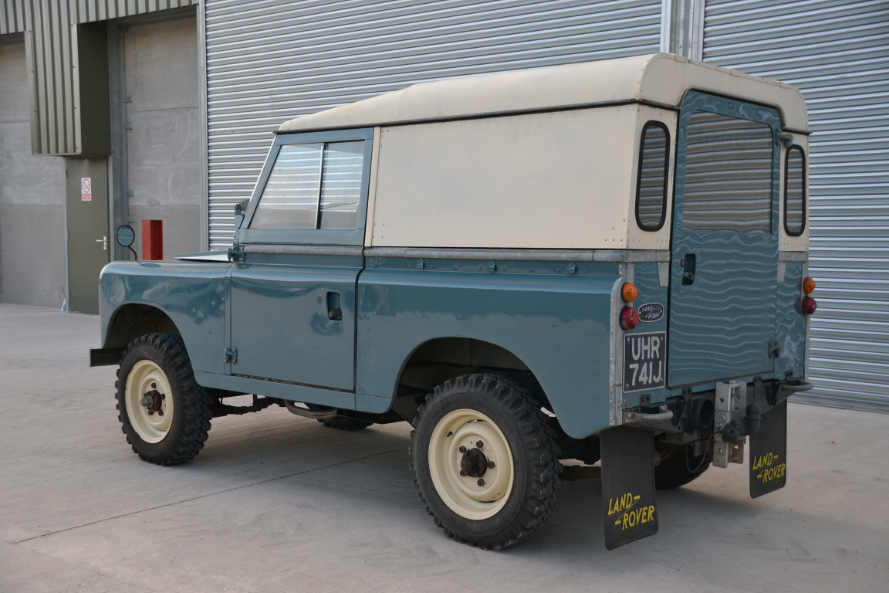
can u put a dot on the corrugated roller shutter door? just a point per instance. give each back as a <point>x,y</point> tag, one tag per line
<point>837,53</point>
<point>272,60</point>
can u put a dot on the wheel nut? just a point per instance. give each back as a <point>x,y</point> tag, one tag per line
<point>491,465</point>
<point>462,473</point>
<point>160,412</point>
<point>479,444</point>
<point>462,449</point>
<point>154,385</point>
<point>481,482</point>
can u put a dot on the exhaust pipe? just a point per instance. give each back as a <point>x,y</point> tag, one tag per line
<point>320,414</point>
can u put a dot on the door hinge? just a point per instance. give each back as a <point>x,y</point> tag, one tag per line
<point>235,253</point>
<point>230,356</point>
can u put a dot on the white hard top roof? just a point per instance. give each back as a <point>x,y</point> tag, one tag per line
<point>655,78</point>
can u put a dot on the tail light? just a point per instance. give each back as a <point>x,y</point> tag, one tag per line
<point>808,305</point>
<point>628,292</point>
<point>629,318</point>
<point>809,285</point>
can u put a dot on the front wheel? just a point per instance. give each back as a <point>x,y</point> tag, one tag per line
<point>163,412</point>
<point>485,461</point>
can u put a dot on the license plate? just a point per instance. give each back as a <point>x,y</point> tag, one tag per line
<point>645,361</point>
<point>768,453</point>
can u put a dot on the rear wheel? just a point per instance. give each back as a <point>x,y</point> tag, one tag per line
<point>163,412</point>
<point>678,467</point>
<point>485,461</point>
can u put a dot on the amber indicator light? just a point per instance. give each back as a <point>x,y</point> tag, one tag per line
<point>808,285</point>
<point>628,292</point>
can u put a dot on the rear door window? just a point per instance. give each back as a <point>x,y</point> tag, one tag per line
<point>728,175</point>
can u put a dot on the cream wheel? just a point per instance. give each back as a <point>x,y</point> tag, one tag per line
<point>164,413</point>
<point>485,460</point>
<point>149,401</point>
<point>471,464</point>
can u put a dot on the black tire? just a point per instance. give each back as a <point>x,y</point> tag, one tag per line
<point>679,467</point>
<point>191,404</point>
<point>345,423</point>
<point>532,445</point>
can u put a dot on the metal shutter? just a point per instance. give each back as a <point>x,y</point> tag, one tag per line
<point>272,60</point>
<point>837,53</point>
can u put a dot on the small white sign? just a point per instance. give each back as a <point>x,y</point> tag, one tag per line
<point>86,189</point>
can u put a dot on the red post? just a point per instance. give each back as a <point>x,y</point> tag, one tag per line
<point>152,239</point>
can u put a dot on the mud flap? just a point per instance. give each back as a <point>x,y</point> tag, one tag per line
<point>627,485</point>
<point>768,453</point>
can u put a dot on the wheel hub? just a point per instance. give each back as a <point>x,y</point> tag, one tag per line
<point>153,400</point>
<point>473,464</point>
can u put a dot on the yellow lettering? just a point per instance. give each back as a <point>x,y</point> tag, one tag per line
<point>611,509</point>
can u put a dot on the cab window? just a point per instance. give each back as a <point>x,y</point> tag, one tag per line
<point>313,186</point>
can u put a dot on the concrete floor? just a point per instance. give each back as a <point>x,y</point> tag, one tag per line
<point>278,503</point>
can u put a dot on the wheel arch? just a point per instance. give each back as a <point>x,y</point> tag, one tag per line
<point>132,320</point>
<point>440,359</point>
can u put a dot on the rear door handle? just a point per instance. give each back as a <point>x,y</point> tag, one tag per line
<point>688,269</point>
<point>104,242</point>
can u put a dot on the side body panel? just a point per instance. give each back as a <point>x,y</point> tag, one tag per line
<point>192,294</point>
<point>556,324</point>
<point>557,180</point>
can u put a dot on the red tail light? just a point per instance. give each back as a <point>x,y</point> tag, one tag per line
<point>629,318</point>
<point>808,305</point>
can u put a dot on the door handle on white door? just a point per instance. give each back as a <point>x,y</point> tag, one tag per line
<point>104,242</point>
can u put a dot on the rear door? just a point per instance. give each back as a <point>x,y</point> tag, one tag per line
<point>724,261</point>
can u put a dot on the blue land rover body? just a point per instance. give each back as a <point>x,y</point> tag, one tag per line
<point>596,261</point>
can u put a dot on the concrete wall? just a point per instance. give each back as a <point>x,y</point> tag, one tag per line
<point>32,197</point>
<point>163,147</point>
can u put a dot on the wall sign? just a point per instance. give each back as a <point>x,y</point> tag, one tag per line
<point>86,189</point>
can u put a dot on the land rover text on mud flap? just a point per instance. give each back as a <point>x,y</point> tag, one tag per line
<point>601,260</point>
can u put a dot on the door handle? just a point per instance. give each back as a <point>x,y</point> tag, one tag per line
<point>334,309</point>
<point>104,242</point>
<point>688,269</point>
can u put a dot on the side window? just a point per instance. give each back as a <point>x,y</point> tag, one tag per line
<point>795,191</point>
<point>312,186</point>
<point>651,186</point>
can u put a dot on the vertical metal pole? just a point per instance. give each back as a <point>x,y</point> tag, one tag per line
<point>205,139</point>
